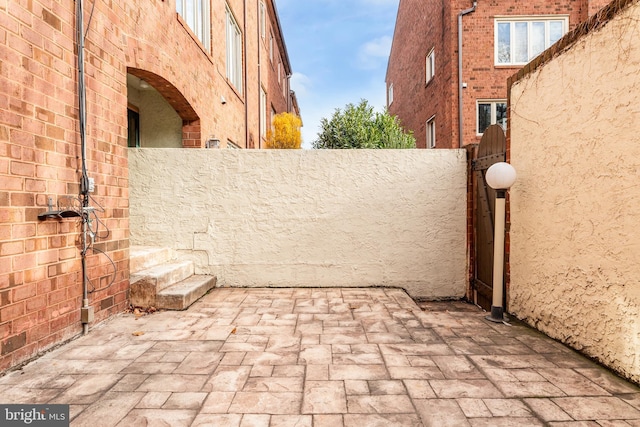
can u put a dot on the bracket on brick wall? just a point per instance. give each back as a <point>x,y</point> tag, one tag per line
<point>64,213</point>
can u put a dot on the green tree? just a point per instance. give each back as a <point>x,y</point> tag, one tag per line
<point>286,131</point>
<point>358,126</point>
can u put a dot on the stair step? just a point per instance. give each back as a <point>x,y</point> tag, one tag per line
<point>144,257</point>
<point>156,278</point>
<point>182,294</point>
<point>166,274</point>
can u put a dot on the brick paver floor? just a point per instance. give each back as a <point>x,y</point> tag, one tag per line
<point>321,357</point>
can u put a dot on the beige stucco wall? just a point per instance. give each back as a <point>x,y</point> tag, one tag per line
<point>308,218</point>
<point>575,209</point>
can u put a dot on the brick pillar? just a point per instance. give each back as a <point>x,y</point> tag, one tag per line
<point>191,135</point>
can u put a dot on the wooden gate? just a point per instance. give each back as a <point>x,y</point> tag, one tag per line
<point>492,149</point>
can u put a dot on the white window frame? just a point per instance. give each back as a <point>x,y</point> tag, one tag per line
<point>390,95</point>
<point>431,132</point>
<point>263,113</point>
<point>494,115</point>
<point>430,66</point>
<point>234,51</point>
<point>271,46</point>
<point>197,15</point>
<point>529,20</point>
<point>263,20</point>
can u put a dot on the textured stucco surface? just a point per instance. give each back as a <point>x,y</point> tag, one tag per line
<point>575,209</point>
<point>308,218</point>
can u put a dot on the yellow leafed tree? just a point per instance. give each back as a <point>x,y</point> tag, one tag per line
<point>285,132</point>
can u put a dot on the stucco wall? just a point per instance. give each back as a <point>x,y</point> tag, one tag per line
<point>575,209</point>
<point>308,218</point>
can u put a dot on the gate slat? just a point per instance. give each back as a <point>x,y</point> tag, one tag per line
<point>492,149</point>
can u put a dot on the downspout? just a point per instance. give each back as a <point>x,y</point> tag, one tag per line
<point>260,70</point>
<point>244,72</point>
<point>460,88</point>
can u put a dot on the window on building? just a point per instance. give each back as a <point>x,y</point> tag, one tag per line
<point>263,20</point>
<point>430,65</point>
<point>197,16</point>
<point>234,52</point>
<point>390,95</point>
<point>273,115</point>
<point>490,113</point>
<point>431,132</point>
<point>518,41</point>
<point>263,113</point>
<point>271,47</point>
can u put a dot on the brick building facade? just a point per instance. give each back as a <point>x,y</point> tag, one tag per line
<point>498,38</point>
<point>157,73</point>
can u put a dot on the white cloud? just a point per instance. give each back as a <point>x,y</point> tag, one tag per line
<point>300,83</point>
<point>374,53</point>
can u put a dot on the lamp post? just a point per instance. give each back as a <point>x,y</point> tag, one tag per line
<point>500,176</point>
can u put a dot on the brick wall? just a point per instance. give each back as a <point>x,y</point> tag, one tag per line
<point>422,25</point>
<point>40,267</point>
<point>274,71</point>
<point>40,264</point>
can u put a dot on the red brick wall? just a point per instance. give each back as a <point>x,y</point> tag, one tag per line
<point>40,264</point>
<point>421,26</point>
<point>596,5</point>
<point>40,267</point>
<point>277,87</point>
<point>425,24</point>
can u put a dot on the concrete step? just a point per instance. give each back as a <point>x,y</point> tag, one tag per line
<point>166,274</point>
<point>146,284</point>
<point>144,257</point>
<point>182,294</point>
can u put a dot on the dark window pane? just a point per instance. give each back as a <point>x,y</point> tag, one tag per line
<point>133,137</point>
<point>484,117</point>
<point>501,114</point>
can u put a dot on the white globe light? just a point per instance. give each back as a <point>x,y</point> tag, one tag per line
<point>501,176</point>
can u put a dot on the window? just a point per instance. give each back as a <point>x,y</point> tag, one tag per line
<point>263,20</point>
<point>431,132</point>
<point>519,41</point>
<point>273,116</point>
<point>234,52</point>
<point>263,113</point>
<point>430,66</point>
<point>390,95</point>
<point>491,113</point>
<point>196,14</point>
<point>271,47</point>
<point>133,135</point>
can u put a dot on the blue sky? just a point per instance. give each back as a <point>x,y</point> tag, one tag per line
<point>338,51</point>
